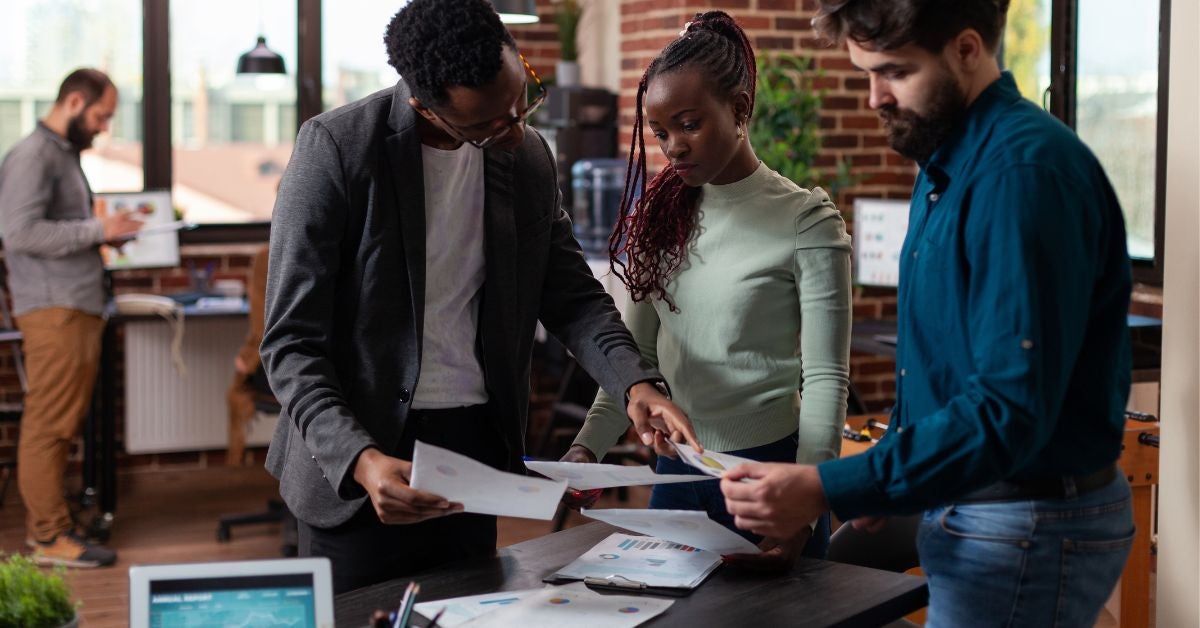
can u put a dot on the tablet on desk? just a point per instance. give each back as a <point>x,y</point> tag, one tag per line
<point>297,593</point>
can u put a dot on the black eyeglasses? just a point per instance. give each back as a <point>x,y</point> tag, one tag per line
<point>515,121</point>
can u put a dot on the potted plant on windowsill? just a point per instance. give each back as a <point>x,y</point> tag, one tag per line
<point>566,15</point>
<point>33,598</point>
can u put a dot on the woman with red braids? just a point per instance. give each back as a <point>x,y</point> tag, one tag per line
<point>740,281</point>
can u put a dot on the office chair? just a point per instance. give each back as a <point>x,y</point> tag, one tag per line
<point>894,548</point>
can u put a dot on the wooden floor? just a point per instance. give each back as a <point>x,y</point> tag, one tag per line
<point>171,516</point>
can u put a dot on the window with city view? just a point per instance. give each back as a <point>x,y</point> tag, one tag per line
<point>1116,111</point>
<point>354,60</point>
<point>41,41</point>
<point>231,133</point>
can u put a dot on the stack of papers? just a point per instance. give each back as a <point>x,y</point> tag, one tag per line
<point>552,607</point>
<point>460,610</point>
<point>480,488</point>
<point>584,476</point>
<point>642,561</point>
<point>688,527</point>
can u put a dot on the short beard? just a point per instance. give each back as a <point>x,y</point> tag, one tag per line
<point>917,136</point>
<point>78,135</point>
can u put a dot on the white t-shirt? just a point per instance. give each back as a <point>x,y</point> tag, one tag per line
<point>451,373</point>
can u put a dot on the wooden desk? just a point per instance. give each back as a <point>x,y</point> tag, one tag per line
<point>816,593</point>
<point>1139,463</point>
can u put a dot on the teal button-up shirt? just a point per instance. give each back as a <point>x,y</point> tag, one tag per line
<point>1013,356</point>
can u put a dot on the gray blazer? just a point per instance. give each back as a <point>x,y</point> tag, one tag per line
<point>346,290</point>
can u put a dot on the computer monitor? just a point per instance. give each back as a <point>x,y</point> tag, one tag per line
<point>158,246</point>
<point>879,228</point>
<point>297,593</point>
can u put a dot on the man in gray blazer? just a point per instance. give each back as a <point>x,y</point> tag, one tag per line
<point>416,242</point>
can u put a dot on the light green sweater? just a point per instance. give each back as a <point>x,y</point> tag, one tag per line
<point>764,312</point>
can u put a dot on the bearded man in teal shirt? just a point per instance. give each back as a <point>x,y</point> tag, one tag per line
<point>1013,363</point>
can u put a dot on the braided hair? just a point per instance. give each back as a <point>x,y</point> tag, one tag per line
<point>654,231</point>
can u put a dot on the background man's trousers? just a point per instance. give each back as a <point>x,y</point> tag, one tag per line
<point>62,354</point>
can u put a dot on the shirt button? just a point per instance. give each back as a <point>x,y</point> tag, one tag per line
<point>900,430</point>
<point>903,372</point>
<point>1027,344</point>
<point>404,395</point>
<point>915,254</point>
<point>934,196</point>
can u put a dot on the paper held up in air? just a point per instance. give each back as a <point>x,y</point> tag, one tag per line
<point>584,476</point>
<point>480,488</point>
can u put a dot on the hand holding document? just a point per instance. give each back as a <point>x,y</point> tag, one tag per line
<point>710,462</point>
<point>574,605</point>
<point>584,476</point>
<point>480,488</point>
<point>689,527</point>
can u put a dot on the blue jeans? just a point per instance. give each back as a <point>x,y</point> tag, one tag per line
<point>707,495</point>
<point>1047,562</point>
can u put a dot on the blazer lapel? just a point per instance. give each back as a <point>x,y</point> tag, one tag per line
<point>500,285</point>
<point>408,182</point>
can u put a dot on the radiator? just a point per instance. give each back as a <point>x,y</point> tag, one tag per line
<point>165,411</point>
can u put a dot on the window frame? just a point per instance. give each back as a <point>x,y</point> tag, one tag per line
<point>1064,59</point>
<point>156,108</point>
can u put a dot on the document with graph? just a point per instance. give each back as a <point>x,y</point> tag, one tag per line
<point>626,561</point>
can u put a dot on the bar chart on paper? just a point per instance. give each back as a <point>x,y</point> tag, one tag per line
<point>653,544</point>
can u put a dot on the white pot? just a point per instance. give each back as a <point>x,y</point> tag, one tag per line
<point>566,74</point>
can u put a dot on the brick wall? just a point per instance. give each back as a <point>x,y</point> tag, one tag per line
<point>539,42</point>
<point>850,130</point>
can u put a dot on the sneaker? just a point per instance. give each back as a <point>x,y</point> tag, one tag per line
<point>71,550</point>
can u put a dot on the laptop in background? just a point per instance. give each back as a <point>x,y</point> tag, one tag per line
<point>297,593</point>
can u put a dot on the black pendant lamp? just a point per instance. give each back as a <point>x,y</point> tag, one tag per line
<point>517,11</point>
<point>261,60</point>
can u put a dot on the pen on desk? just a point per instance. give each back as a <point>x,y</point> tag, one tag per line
<point>399,614</point>
<point>433,624</point>
<point>412,601</point>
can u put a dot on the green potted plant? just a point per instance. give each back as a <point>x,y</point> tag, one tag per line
<point>786,123</point>
<point>33,598</point>
<point>566,15</point>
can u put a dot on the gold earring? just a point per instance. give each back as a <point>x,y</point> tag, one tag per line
<point>741,133</point>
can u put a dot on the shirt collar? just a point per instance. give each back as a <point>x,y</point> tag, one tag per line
<point>61,141</point>
<point>980,118</point>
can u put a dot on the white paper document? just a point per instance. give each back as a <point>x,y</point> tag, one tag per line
<point>463,609</point>
<point>576,606</point>
<point>584,476</point>
<point>689,527</point>
<point>480,488</point>
<point>712,463</point>
<point>645,560</point>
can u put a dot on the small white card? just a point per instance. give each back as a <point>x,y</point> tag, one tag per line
<point>584,476</point>
<point>712,463</point>
<point>690,527</point>
<point>460,610</point>
<point>576,606</point>
<point>480,488</point>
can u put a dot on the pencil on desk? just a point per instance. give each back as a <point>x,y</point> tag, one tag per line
<point>411,601</point>
<point>398,622</point>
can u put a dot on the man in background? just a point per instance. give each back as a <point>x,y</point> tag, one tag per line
<point>56,277</point>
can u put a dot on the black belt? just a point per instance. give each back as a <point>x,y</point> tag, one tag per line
<point>1051,487</point>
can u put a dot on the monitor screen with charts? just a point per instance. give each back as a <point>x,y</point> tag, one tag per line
<point>879,228</point>
<point>158,244</point>
<point>297,593</point>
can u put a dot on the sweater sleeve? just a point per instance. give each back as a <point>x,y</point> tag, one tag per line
<point>607,420</point>
<point>822,273</point>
